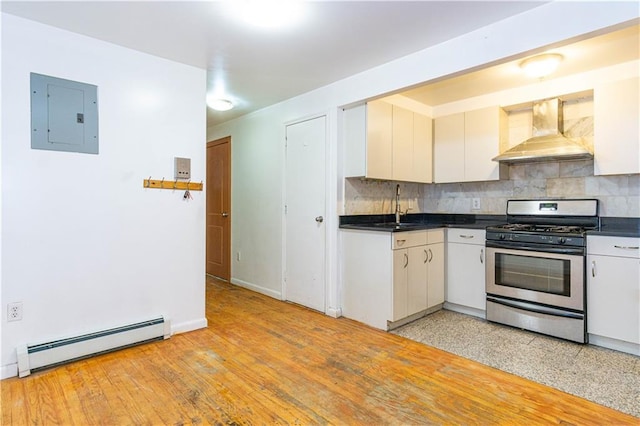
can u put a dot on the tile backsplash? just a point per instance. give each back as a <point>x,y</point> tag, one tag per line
<point>619,195</point>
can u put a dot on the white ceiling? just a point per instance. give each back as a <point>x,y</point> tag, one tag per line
<point>258,68</point>
<point>597,52</point>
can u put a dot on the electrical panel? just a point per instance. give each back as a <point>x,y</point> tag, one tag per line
<point>64,115</point>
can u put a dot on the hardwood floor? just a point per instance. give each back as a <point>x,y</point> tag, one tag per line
<point>262,361</point>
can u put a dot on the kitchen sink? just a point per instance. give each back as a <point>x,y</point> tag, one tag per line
<point>394,225</point>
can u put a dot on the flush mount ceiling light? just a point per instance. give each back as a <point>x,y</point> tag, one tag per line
<point>541,65</point>
<point>271,14</point>
<point>219,104</point>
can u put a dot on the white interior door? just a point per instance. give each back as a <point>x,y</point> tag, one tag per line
<point>304,213</point>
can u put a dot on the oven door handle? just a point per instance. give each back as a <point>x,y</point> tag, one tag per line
<point>579,251</point>
<point>534,308</point>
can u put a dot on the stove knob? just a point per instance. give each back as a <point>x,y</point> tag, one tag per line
<point>502,236</point>
<point>562,240</point>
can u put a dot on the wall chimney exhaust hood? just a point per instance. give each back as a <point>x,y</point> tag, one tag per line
<point>548,143</point>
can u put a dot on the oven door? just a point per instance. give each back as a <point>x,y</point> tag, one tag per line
<point>552,279</point>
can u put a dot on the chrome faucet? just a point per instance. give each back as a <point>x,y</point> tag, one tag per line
<point>398,210</point>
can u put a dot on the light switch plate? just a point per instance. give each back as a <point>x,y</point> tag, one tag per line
<point>182,168</point>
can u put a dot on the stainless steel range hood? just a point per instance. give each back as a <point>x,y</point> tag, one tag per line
<point>548,143</point>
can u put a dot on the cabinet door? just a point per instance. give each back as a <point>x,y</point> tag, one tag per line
<point>400,282</point>
<point>613,297</point>
<point>355,141</point>
<point>422,149</point>
<point>417,280</point>
<point>466,275</point>
<point>402,144</point>
<point>435,274</point>
<point>483,129</point>
<point>379,134</point>
<point>448,148</point>
<point>616,127</point>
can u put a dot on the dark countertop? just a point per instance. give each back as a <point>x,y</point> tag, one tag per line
<point>618,227</point>
<point>609,226</point>
<point>419,221</point>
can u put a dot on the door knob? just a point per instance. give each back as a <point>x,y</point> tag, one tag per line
<point>319,219</point>
<point>225,214</point>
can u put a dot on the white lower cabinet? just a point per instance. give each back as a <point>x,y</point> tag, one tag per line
<point>465,278</point>
<point>418,272</point>
<point>613,292</point>
<point>383,286</point>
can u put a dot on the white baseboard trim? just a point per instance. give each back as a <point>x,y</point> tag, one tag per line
<point>465,310</point>
<point>334,312</point>
<point>10,370</point>
<point>615,344</point>
<point>186,326</point>
<point>258,289</point>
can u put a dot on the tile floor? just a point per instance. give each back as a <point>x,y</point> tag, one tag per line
<point>601,375</point>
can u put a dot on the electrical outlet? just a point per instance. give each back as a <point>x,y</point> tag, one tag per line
<point>14,311</point>
<point>238,256</point>
<point>475,204</point>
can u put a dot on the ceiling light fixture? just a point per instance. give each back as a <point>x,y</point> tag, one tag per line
<point>219,104</point>
<point>273,14</point>
<point>541,66</point>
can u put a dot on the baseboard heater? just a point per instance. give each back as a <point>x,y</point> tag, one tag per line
<point>32,358</point>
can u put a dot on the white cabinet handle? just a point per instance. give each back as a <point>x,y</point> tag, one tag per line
<point>593,268</point>
<point>481,255</point>
<point>426,256</point>
<point>406,260</point>
<point>627,247</point>
<point>466,236</point>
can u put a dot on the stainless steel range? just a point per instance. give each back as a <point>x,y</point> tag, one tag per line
<point>536,266</point>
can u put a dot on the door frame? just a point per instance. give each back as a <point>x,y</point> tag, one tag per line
<point>331,304</point>
<point>218,141</point>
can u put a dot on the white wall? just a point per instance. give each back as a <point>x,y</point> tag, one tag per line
<point>84,245</point>
<point>258,139</point>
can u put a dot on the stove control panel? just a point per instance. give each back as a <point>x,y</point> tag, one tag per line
<point>575,241</point>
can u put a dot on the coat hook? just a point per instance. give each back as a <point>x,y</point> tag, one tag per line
<point>149,182</point>
<point>175,182</point>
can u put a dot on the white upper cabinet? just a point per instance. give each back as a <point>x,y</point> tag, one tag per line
<point>422,148</point>
<point>448,148</point>
<point>616,138</point>
<point>484,130</point>
<point>402,142</point>
<point>465,143</point>
<point>379,132</point>
<point>385,141</point>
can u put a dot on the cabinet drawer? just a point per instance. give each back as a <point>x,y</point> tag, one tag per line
<point>614,246</point>
<point>402,240</point>
<point>435,236</point>
<point>466,236</point>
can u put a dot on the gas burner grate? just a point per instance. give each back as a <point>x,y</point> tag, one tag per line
<point>542,228</point>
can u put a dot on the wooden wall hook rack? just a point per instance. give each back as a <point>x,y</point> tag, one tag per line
<point>172,184</point>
